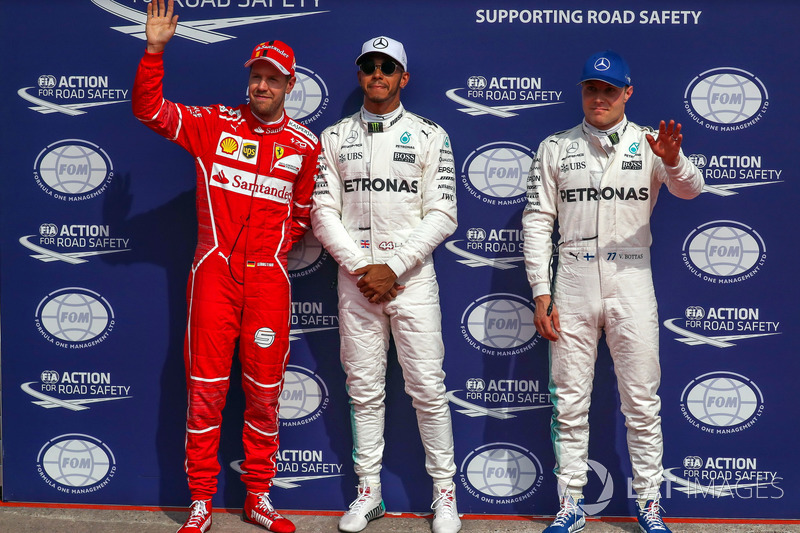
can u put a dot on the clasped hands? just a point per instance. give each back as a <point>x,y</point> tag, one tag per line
<point>378,283</point>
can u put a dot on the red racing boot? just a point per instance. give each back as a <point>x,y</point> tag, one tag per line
<point>199,520</point>
<point>258,509</point>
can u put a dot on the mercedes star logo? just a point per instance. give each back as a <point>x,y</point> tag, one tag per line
<point>380,42</point>
<point>602,64</point>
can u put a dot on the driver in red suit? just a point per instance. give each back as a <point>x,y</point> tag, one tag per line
<point>255,176</point>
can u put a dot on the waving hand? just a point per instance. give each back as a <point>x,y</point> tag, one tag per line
<point>668,144</point>
<point>160,26</point>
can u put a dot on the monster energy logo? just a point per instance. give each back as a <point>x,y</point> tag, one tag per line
<point>375,127</point>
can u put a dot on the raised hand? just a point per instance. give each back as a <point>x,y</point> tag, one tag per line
<point>668,144</point>
<point>160,26</point>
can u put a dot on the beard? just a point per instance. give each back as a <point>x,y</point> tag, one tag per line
<point>268,110</point>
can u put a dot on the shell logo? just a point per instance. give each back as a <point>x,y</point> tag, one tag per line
<point>228,145</point>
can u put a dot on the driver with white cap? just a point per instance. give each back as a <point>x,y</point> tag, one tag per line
<point>385,198</point>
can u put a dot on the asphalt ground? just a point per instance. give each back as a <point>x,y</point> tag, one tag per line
<point>37,518</point>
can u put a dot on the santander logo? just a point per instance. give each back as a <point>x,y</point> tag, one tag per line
<point>220,178</point>
<point>247,183</point>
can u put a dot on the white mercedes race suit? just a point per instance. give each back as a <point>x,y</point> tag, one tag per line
<point>386,194</point>
<point>602,193</point>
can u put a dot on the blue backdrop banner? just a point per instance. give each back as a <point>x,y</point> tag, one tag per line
<point>98,231</point>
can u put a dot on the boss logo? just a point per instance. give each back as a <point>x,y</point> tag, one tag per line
<point>404,157</point>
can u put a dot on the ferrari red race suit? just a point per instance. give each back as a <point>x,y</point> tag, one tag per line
<point>254,186</point>
<point>602,189</point>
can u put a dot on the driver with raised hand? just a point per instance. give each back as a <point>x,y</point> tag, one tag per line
<point>255,176</point>
<point>600,181</point>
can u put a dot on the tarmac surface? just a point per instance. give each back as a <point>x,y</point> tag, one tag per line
<point>16,518</point>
